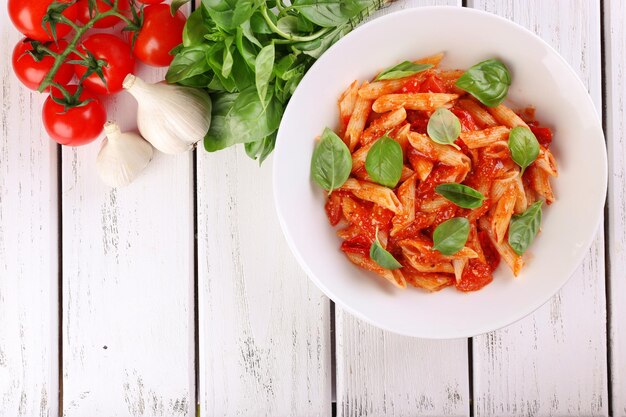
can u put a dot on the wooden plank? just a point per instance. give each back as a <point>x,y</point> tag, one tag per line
<point>553,362</point>
<point>28,247</point>
<point>383,374</point>
<point>128,284</point>
<point>263,326</point>
<point>615,87</point>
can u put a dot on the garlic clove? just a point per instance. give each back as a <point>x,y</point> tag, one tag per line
<point>172,118</point>
<point>122,156</point>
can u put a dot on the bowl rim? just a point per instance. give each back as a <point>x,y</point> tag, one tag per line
<point>495,324</point>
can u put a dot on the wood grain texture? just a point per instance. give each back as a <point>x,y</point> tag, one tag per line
<point>615,87</point>
<point>128,288</point>
<point>384,374</point>
<point>28,247</point>
<point>263,326</point>
<point>554,361</point>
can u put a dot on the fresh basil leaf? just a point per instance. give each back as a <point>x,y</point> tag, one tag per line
<point>227,62</point>
<point>382,257</point>
<point>229,14</point>
<point>461,195</point>
<point>444,127</point>
<point>331,162</point>
<point>261,149</point>
<point>246,49</point>
<point>304,24</point>
<point>259,25</point>
<point>264,64</point>
<point>283,65</point>
<point>241,118</point>
<point>177,4</point>
<point>187,63</point>
<point>198,81</point>
<point>524,146</point>
<point>195,29</point>
<point>524,227</point>
<point>384,162</point>
<point>215,58</point>
<point>288,24</point>
<point>241,73</point>
<point>488,81</point>
<point>402,70</point>
<point>330,13</point>
<point>450,236</point>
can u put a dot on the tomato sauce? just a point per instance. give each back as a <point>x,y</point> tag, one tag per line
<point>439,175</point>
<point>418,120</point>
<point>475,276</point>
<point>358,244</point>
<point>543,134</point>
<point>333,207</point>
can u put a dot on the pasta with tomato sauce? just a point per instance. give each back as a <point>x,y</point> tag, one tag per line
<point>445,182</point>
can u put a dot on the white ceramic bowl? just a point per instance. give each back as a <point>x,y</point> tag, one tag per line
<point>540,78</point>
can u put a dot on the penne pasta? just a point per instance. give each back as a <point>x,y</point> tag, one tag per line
<point>356,125</point>
<point>512,259</point>
<point>434,204</point>
<point>427,281</point>
<point>546,162</point>
<point>377,194</point>
<point>422,167</point>
<point>380,88</point>
<point>394,277</point>
<point>443,153</point>
<point>501,184</point>
<point>481,138</point>
<point>419,247</point>
<point>502,213</point>
<point>458,266</point>
<point>433,60</point>
<point>414,101</point>
<point>477,112</point>
<point>506,116</point>
<point>497,150</point>
<point>540,182</point>
<point>406,216</point>
<point>383,124</point>
<point>346,103</point>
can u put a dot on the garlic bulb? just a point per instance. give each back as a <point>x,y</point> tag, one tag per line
<point>122,156</point>
<point>172,118</point>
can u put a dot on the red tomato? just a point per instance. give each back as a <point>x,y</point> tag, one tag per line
<point>116,53</point>
<point>76,126</point>
<point>31,73</point>
<point>475,276</point>
<point>150,1</point>
<point>101,6</point>
<point>432,84</point>
<point>543,134</point>
<point>27,16</point>
<point>467,121</point>
<point>358,244</point>
<point>160,33</point>
<point>333,207</point>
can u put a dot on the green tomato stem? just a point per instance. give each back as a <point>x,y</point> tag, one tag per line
<point>79,31</point>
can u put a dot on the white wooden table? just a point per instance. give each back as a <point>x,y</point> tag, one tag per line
<point>177,296</point>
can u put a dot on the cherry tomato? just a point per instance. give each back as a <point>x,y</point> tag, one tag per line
<point>76,126</point>
<point>31,72</point>
<point>116,53</point>
<point>101,6</point>
<point>150,1</point>
<point>27,16</point>
<point>160,33</point>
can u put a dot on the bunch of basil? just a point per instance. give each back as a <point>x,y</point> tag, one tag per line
<point>251,55</point>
